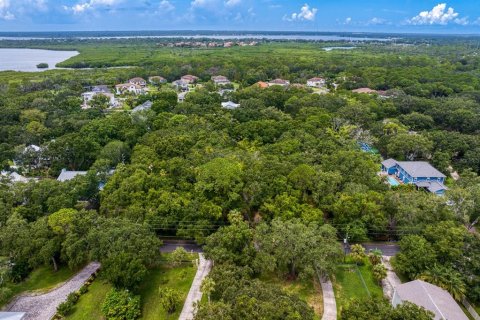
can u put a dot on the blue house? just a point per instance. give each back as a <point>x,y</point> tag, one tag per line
<point>420,173</point>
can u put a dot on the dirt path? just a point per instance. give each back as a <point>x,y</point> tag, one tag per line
<point>195,294</point>
<point>44,306</point>
<point>391,281</point>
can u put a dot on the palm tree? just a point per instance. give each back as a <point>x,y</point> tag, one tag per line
<point>375,256</point>
<point>446,278</point>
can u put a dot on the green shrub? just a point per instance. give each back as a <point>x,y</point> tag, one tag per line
<point>169,299</point>
<point>83,289</point>
<point>121,305</point>
<point>65,308</point>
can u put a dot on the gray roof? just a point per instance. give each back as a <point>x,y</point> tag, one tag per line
<point>432,186</point>
<point>144,106</point>
<point>12,315</point>
<point>101,88</point>
<point>69,175</point>
<point>432,298</point>
<point>389,163</point>
<point>418,169</point>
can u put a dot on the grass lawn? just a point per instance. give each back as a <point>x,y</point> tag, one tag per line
<point>308,291</point>
<point>89,305</point>
<point>180,278</point>
<point>40,280</point>
<point>349,285</point>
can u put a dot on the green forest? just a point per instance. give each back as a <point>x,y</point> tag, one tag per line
<point>269,188</point>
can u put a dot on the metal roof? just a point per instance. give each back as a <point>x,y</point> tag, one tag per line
<point>418,169</point>
<point>389,163</point>
<point>432,298</point>
<point>69,175</point>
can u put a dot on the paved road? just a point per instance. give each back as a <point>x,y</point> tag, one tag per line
<point>329,302</point>
<point>388,248</point>
<point>170,245</point>
<point>44,306</point>
<point>195,294</point>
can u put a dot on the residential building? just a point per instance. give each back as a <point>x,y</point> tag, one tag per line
<point>181,96</point>
<point>220,80</point>
<point>14,177</point>
<point>147,105</point>
<point>189,79</point>
<point>420,173</point>
<point>130,88</point>
<point>138,81</point>
<point>430,297</point>
<point>66,175</point>
<point>157,80</point>
<point>230,105</point>
<point>279,82</point>
<point>316,82</point>
<point>261,84</point>
<point>180,85</point>
<point>88,96</point>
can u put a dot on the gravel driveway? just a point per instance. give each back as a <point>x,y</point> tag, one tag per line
<point>44,306</point>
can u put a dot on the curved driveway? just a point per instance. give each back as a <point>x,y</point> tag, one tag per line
<point>44,306</point>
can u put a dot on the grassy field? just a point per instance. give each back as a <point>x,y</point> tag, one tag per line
<point>40,280</point>
<point>89,305</point>
<point>308,291</point>
<point>180,278</point>
<point>348,283</point>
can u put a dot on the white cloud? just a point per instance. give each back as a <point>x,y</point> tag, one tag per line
<point>92,4</point>
<point>201,3</point>
<point>5,14</point>
<point>439,15</point>
<point>462,21</point>
<point>232,3</point>
<point>348,20</point>
<point>377,21</point>
<point>166,6</point>
<point>477,22</point>
<point>305,14</point>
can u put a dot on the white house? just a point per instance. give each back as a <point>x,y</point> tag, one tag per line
<point>230,105</point>
<point>279,82</point>
<point>129,87</point>
<point>430,297</point>
<point>220,80</point>
<point>316,82</point>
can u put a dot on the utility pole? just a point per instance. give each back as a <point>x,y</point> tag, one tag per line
<point>345,246</point>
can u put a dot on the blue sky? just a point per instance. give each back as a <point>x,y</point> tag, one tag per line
<point>455,16</point>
